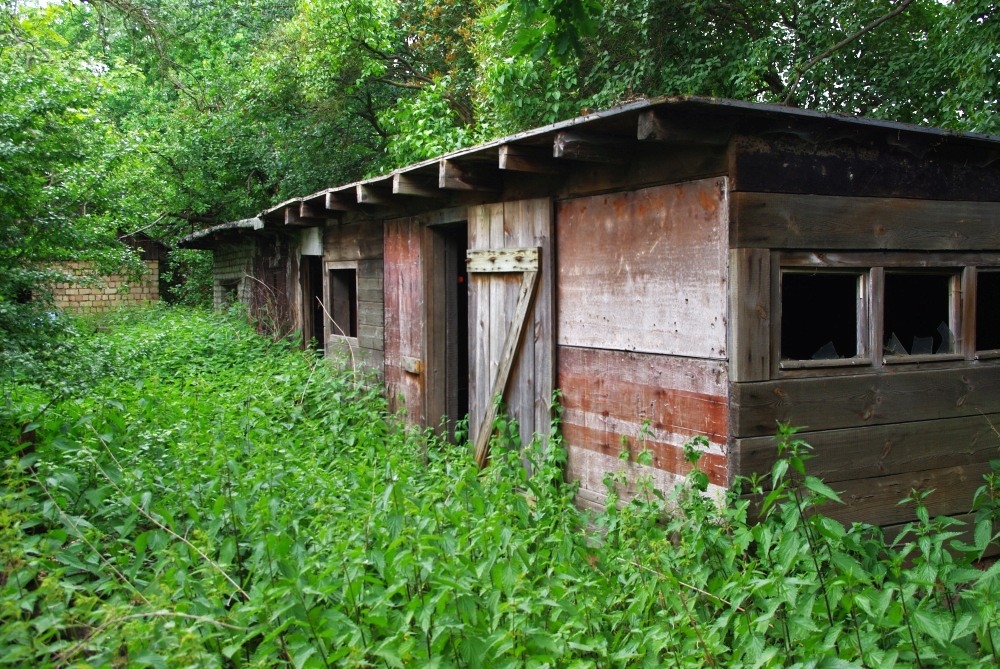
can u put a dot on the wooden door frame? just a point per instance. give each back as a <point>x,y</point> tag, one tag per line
<point>432,251</point>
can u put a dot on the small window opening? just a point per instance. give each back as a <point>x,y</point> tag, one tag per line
<point>229,292</point>
<point>917,314</point>
<point>344,302</point>
<point>819,315</point>
<point>987,313</point>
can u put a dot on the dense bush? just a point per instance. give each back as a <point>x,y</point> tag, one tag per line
<point>195,495</point>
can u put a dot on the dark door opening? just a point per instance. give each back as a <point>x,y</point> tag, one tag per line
<point>451,311</point>
<point>312,301</point>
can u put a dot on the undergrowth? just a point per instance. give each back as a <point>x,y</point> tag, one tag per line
<point>179,492</point>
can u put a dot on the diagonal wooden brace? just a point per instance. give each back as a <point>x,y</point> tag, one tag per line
<point>528,281</point>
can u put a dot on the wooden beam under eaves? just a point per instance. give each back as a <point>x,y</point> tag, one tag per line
<point>309,212</point>
<point>292,216</point>
<point>338,201</point>
<point>468,177</point>
<point>404,184</point>
<point>527,159</point>
<point>373,195</point>
<point>592,148</point>
<point>655,126</point>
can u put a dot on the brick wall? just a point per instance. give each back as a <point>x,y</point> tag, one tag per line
<point>94,292</point>
<point>230,268</point>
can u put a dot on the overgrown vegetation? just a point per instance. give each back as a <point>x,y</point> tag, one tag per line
<point>183,492</point>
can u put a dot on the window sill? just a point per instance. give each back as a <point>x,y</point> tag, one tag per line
<point>822,364</point>
<point>924,357</point>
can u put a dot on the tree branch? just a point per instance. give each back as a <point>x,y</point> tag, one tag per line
<point>808,65</point>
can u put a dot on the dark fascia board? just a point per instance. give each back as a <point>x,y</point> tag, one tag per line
<point>622,122</point>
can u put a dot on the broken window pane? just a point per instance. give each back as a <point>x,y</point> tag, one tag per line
<point>917,308</point>
<point>987,311</point>
<point>819,315</point>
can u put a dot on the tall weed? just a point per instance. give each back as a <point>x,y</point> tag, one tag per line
<point>211,498</point>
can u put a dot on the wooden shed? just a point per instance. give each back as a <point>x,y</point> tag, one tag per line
<point>687,267</point>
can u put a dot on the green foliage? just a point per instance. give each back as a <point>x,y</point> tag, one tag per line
<point>201,496</point>
<point>56,144</point>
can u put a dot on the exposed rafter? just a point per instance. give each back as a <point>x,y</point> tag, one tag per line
<point>592,148</point>
<point>405,184</point>
<point>527,159</point>
<point>465,176</point>
<point>656,126</point>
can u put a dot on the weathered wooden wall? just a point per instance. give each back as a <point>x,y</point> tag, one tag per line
<point>878,430</point>
<point>642,311</point>
<point>360,245</point>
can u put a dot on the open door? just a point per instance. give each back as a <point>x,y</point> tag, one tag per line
<point>311,268</point>
<point>512,339</point>
<point>447,342</point>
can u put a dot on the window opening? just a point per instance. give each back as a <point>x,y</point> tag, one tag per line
<point>343,305</point>
<point>987,313</point>
<point>229,292</point>
<point>917,313</point>
<point>819,315</point>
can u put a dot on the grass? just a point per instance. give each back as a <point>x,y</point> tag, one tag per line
<point>179,492</point>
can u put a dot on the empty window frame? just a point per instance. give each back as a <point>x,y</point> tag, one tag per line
<point>988,310</point>
<point>342,304</point>
<point>823,317</point>
<point>920,313</point>
<point>229,292</point>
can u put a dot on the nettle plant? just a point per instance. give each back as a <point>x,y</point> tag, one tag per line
<point>217,499</point>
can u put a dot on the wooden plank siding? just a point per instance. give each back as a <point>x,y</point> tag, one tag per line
<point>880,398</point>
<point>642,331</point>
<point>361,245</point>
<point>493,300</point>
<point>828,223</point>
<point>823,163</point>
<point>646,270</point>
<point>613,400</point>
<point>885,450</point>
<point>404,318</point>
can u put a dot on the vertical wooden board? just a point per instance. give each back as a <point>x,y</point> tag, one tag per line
<point>479,319</point>
<point>543,330</point>
<point>403,316</point>
<point>750,314</point>
<point>503,297</point>
<point>646,270</point>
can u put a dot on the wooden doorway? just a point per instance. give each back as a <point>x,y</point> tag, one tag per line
<point>448,326</point>
<point>311,269</point>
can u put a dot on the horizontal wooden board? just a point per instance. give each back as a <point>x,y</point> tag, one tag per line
<point>616,399</point>
<point>882,450</point>
<point>645,270</point>
<point>966,526</point>
<point>666,455</point>
<point>590,468</point>
<point>781,220</point>
<point>821,165</point>
<point>876,500</point>
<point>502,260</point>
<point>891,395</point>
<point>352,241</point>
